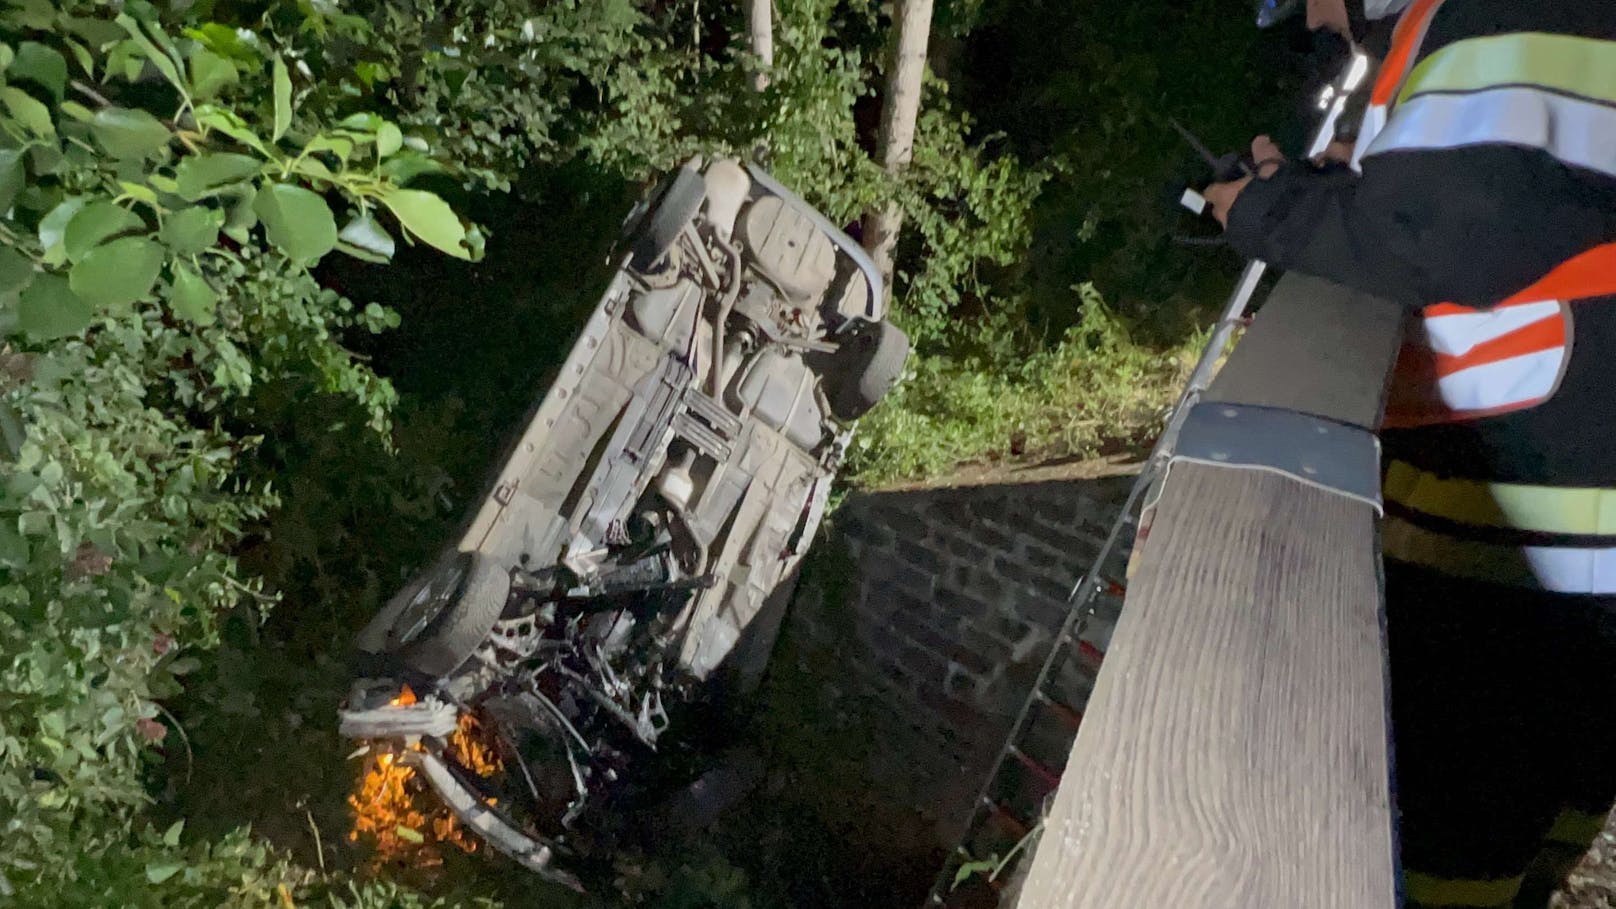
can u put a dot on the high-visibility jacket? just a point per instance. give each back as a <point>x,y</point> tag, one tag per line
<point>1488,201</point>
<point>1463,361</point>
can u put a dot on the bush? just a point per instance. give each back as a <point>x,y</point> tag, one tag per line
<point>165,197</point>
<point>1095,387</point>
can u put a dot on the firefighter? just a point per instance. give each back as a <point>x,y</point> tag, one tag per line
<point>1482,195</point>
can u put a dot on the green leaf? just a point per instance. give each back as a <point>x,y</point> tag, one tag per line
<point>94,224</point>
<point>407,165</point>
<point>364,239</point>
<point>125,58</point>
<point>283,99</point>
<point>388,140</point>
<point>171,836</point>
<point>11,176</point>
<point>6,56</point>
<point>158,872</point>
<point>185,665</point>
<point>210,74</point>
<point>45,159</point>
<point>13,547</point>
<point>341,146</point>
<point>15,270</point>
<point>117,273</point>
<point>313,168</point>
<point>966,869</point>
<point>48,309</point>
<point>361,122</point>
<point>296,220</point>
<point>94,32</point>
<point>370,73</point>
<point>224,121</point>
<point>205,175</point>
<point>191,230</point>
<point>224,41</point>
<point>363,255</point>
<point>40,14</point>
<point>53,228</point>
<point>164,63</point>
<point>129,133</point>
<point>139,192</point>
<point>430,219</point>
<point>40,65</point>
<point>240,218</point>
<point>192,299</point>
<point>34,116</point>
<point>81,56</point>
<point>475,241</point>
<point>77,111</point>
<point>409,834</point>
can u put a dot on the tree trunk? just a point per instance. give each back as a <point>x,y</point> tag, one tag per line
<point>760,25</point>
<point>905,76</point>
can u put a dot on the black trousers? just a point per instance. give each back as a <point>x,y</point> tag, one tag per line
<point>1504,724</point>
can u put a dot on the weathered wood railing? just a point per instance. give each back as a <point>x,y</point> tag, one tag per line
<point>1235,750</point>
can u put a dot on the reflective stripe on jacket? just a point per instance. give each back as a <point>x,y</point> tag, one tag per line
<point>1463,363</point>
<point>1552,92</point>
<point>1406,41</point>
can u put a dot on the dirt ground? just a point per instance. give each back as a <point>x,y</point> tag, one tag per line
<point>1593,884</point>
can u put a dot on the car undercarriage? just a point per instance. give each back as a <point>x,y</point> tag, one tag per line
<point>634,553</point>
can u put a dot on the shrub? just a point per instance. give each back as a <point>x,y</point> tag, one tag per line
<point>1095,387</point>
<point>165,196</point>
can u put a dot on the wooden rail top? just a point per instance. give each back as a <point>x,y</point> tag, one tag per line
<point>1235,750</point>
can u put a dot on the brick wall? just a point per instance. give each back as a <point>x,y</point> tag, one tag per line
<point>926,614</point>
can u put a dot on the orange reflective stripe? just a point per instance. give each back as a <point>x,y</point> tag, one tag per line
<point>1417,395</point>
<point>1445,309</point>
<point>1588,274</point>
<point>1546,334</point>
<point>1406,40</point>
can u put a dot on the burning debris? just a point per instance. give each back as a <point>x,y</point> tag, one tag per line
<point>395,810</point>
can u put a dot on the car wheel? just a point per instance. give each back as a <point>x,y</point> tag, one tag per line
<point>457,632</point>
<point>655,233</point>
<point>864,368</point>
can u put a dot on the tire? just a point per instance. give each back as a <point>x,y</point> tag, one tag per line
<point>864,368</point>
<point>457,633</point>
<point>657,230</point>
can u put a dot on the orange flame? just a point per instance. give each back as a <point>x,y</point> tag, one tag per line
<point>397,813</point>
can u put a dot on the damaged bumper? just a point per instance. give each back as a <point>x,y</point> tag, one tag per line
<point>416,732</point>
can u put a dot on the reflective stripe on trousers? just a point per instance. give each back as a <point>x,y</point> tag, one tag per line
<point>1568,511</point>
<point>1433,891</point>
<point>1558,539</point>
<point>1573,831</point>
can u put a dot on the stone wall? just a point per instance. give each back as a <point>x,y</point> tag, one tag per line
<point>926,614</point>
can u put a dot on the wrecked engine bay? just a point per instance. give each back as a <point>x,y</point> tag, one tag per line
<point>634,554</point>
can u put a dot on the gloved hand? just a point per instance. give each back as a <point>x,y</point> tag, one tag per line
<point>1221,196</point>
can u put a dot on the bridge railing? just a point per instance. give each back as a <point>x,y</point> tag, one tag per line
<point>1235,750</point>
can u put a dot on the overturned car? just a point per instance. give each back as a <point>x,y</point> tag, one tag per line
<point>634,550</point>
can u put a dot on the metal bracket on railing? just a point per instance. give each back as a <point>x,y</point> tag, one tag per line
<point>1322,453</point>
